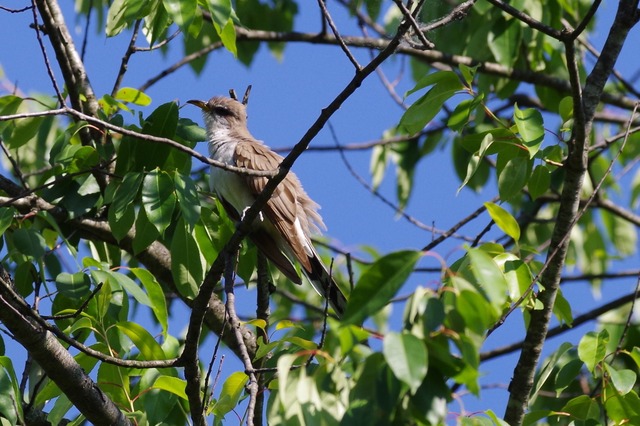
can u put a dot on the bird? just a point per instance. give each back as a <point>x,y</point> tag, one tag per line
<point>282,231</point>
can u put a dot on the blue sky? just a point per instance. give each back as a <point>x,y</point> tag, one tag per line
<point>287,97</point>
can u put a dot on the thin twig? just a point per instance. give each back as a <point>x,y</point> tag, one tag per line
<point>52,77</point>
<point>85,36</point>
<point>14,164</point>
<point>532,23</point>
<point>79,310</point>
<point>232,317</point>
<point>127,56</point>
<point>334,29</point>
<point>150,138</point>
<point>416,28</point>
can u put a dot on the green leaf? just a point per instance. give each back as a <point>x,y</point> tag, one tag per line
<point>378,164</point>
<point>504,41</point>
<point>29,243</point>
<point>460,115</point>
<point>10,392</point>
<point>130,286</point>
<point>146,233</point>
<point>531,128</point>
<point>158,198</point>
<point>6,218</point>
<point>190,131</point>
<point>548,367</point>
<point>8,105</point>
<point>162,122</point>
<point>24,130</point>
<point>582,408</point>
<point>593,348</point>
<point>123,12</point>
<point>134,96</point>
<point>230,394</point>
<point>407,357</point>
<point>513,178</point>
<point>488,274</point>
<point>125,194</point>
<point>622,409</point>
<point>507,223</point>
<point>566,108</point>
<point>144,341</point>
<point>158,302</point>
<point>468,73</point>
<point>121,227</point>
<point>181,11</point>
<point>622,380</point>
<point>475,161</point>
<point>379,284</point>
<point>476,311</point>
<point>73,286</point>
<point>539,181</point>
<point>622,233</point>
<point>445,85</point>
<point>186,265</point>
<point>187,196</point>
<point>562,309</point>
<point>221,14</point>
<point>171,384</point>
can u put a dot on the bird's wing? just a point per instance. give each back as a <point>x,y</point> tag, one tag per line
<point>283,207</point>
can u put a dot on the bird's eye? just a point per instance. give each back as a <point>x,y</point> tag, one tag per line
<point>221,111</point>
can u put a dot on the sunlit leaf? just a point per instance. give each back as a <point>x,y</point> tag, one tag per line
<point>157,298</point>
<point>181,11</point>
<point>230,395</point>
<point>622,380</point>
<point>445,84</point>
<point>592,348</point>
<point>379,284</point>
<point>489,276</point>
<point>531,128</point>
<point>504,220</point>
<point>134,96</point>
<point>171,384</point>
<point>144,341</point>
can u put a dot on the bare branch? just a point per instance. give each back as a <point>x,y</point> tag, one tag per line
<point>125,59</point>
<point>334,29</point>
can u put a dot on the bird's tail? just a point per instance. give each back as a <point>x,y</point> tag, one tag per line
<point>326,286</point>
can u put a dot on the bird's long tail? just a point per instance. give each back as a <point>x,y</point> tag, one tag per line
<point>326,286</point>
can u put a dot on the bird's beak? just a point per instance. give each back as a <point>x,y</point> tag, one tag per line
<point>200,104</point>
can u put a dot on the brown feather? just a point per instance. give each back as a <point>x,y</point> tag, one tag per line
<point>287,200</point>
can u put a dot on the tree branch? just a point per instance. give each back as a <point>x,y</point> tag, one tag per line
<point>585,105</point>
<point>54,359</point>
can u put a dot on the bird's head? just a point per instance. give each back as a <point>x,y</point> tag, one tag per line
<point>221,113</point>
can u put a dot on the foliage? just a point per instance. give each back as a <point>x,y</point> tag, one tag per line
<point>104,220</point>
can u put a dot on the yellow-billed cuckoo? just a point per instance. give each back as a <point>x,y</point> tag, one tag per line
<point>283,232</point>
